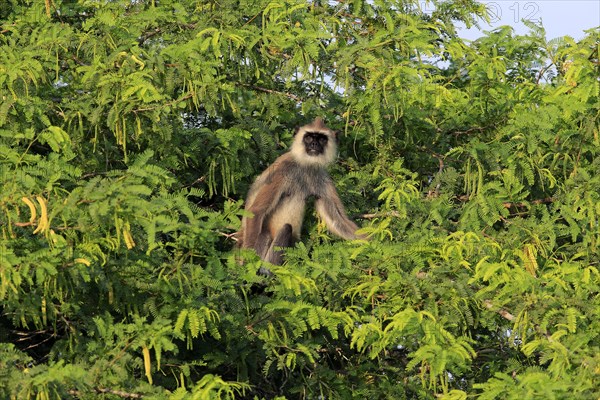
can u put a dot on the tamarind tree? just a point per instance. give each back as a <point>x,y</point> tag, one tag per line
<point>130,132</point>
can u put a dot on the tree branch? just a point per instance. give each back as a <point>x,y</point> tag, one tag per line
<point>271,91</point>
<point>120,393</point>
<point>378,215</point>
<point>503,312</point>
<point>508,204</point>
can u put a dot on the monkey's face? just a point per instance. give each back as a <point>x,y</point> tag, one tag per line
<point>315,143</point>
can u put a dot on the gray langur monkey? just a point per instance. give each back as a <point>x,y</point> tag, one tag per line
<point>278,197</point>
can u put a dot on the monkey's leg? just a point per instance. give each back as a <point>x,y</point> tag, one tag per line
<point>263,244</point>
<point>274,255</point>
<point>283,239</point>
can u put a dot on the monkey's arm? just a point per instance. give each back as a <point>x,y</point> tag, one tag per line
<point>331,210</point>
<point>263,203</point>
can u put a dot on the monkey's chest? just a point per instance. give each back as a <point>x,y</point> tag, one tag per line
<point>290,211</point>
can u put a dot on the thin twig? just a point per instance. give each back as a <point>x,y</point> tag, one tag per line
<point>542,72</point>
<point>148,35</point>
<point>186,97</point>
<point>503,312</point>
<point>120,393</point>
<point>378,215</point>
<point>271,91</point>
<point>509,204</point>
<point>547,200</point>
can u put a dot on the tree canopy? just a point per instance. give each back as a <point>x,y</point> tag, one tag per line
<point>131,130</point>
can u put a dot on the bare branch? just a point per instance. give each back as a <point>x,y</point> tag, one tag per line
<point>503,312</point>
<point>120,393</point>
<point>509,204</point>
<point>271,91</point>
<point>378,215</point>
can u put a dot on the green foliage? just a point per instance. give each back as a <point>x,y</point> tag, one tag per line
<point>131,131</point>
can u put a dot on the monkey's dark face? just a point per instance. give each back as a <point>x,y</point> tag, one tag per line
<point>315,143</point>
